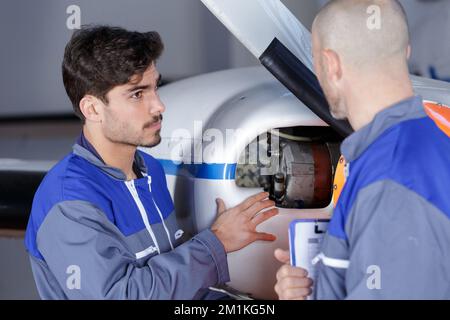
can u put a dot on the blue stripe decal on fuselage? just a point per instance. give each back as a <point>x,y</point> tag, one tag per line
<point>216,171</point>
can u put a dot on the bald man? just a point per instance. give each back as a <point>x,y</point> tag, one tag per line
<point>389,237</point>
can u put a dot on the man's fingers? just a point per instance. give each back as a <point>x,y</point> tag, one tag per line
<point>282,256</point>
<point>293,288</point>
<point>294,293</point>
<point>288,271</point>
<point>293,283</point>
<point>253,199</point>
<point>263,216</point>
<point>264,236</point>
<point>257,207</point>
<point>221,208</point>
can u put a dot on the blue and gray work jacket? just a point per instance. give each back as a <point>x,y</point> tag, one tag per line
<point>389,237</point>
<point>94,235</point>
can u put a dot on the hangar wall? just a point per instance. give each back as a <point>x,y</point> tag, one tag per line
<point>34,34</point>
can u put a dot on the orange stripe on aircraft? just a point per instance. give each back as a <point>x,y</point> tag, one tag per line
<point>440,114</point>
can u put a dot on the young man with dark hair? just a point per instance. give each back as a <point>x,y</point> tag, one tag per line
<point>102,224</point>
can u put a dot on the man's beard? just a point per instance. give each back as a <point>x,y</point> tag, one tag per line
<point>337,112</point>
<point>157,135</point>
<point>337,107</point>
<point>152,144</point>
<point>122,135</point>
<point>335,103</point>
<point>337,116</point>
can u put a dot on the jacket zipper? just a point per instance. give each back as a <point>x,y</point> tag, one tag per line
<point>132,188</point>
<point>149,180</point>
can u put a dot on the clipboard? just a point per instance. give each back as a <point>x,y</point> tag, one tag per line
<point>305,243</point>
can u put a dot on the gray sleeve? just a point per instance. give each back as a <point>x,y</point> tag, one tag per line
<point>398,246</point>
<point>76,237</point>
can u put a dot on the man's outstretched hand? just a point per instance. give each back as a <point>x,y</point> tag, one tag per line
<point>236,227</point>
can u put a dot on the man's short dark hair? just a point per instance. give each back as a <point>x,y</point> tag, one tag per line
<point>99,58</point>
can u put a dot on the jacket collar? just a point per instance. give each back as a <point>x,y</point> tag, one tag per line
<point>359,141</point>
<point>84,149</point>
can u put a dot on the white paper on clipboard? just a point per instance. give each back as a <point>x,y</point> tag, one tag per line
<point>305,242</point>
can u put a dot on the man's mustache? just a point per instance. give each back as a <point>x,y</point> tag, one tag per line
<point>155,120</point>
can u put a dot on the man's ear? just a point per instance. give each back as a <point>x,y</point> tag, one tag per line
<point>332,65</point>
<point>91,108</point>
